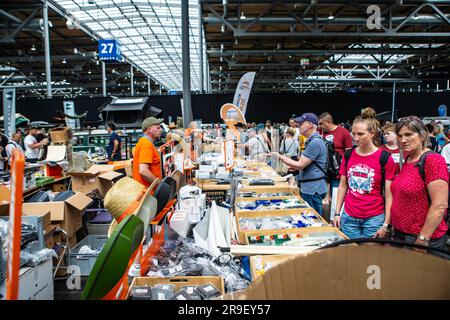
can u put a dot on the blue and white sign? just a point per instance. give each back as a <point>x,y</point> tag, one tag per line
<point>109,50</point>
<point>442,110</point>
<point>9,111</point>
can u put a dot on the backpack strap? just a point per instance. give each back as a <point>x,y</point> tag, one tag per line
<point>421,166</point>
<point>383,161</point>
<point>314,162</point>
<point>347,155</point>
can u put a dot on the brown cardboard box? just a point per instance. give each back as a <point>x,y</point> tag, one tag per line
<point>5,195</point>
<point>178,282</point>
<point>84,182</point>
<point>39,211</point>
<point>66,213</point>
<point>354,272</point>
<point>60,135</point>
<point>49,236</point>
<point>266,262</point>
<point>106,181</point>
<point>91,180</point>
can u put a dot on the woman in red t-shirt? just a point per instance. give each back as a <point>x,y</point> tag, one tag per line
<point>365,214</point>
<point>391,146</point>
<point>419,205</point>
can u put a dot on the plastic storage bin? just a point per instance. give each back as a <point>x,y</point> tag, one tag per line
<point>99,225</point>
<point>86,261</point>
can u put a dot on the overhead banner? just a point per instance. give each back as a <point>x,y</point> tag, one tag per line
<point>9,111</point>
<point>69,109</point>
<point>243,89</point>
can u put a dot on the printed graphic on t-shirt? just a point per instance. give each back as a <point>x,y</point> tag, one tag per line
<point>361,179</point>
<point>330,138</point>
<point>396,157</point>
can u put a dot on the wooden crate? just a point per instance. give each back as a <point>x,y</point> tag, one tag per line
<point>272,213</point>
<point>178,282</point>
<point>300,231</point>
<point>294,197</point>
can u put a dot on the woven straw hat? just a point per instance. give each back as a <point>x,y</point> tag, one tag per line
<point>127,196</point>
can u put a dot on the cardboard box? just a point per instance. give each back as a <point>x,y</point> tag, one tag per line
<point>49,236</point>
<point>60,135</point>
<point>261,264</point>
<point>5,197</point>
<point>40,212</point>
<point>366,272</point>
<point>124,166</point>
<point>178,282</point>
<point>90,180</point>
<point>68,214</point>
<point>106,181</point>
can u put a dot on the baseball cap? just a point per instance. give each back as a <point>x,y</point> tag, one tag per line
<point>311,117</point>
<point>150,121</point>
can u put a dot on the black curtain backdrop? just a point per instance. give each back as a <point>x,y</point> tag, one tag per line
<point>262,106</point>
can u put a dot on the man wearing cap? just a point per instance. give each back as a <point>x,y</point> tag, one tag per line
<point>312,163</point>
<point>32,147</point>
<point>146,160</point>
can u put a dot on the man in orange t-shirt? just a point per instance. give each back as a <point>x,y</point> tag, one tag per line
<point>146,160</point>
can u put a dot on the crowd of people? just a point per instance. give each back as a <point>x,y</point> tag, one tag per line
<point>391,179</point>
<point>32,141</point>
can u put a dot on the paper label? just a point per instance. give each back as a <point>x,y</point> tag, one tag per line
<point>161,296</point>
<point>190,290</point>
<point>209,288</point>
<point>140,291</point>
<point>181,297</point>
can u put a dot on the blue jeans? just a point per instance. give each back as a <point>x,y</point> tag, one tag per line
<point>315,201</point>
<point>355,228</point>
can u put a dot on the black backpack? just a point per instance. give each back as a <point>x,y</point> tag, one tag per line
<point>421,166</point>
<point>333,160</point>
<point>383,161</point>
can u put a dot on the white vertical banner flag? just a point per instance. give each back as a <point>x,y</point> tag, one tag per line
<point>243,89</point>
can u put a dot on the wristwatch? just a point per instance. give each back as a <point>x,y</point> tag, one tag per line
<point>422,238</point>
<point>387,225</point>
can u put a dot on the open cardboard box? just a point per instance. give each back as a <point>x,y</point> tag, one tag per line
<point>260,264</point>
<point>178,282</point>
<point>5,197</point>
<point>94,179</point>
<point>68,214</point>
<point>365,272</point>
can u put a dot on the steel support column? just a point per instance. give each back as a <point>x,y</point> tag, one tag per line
<point>132,81</point>
<point>187,111</point>
<point>48,77</point>
<point>200,45</point>
<point>104,78</point>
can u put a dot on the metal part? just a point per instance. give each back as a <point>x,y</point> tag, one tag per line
<point>48,76</point>
<point>187,111</point>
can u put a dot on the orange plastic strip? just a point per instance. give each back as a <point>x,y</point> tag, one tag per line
<point>15,225</point>
<point>163,212</point>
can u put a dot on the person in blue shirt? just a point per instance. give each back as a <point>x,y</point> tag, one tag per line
<point>441,139</point>
<point>113,149</point>
<point>312,163</point>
